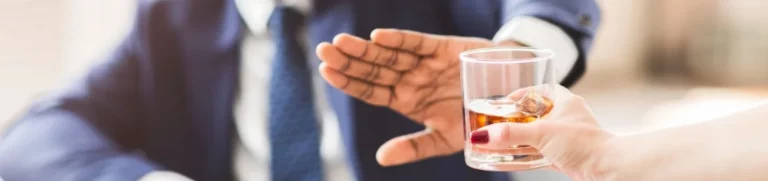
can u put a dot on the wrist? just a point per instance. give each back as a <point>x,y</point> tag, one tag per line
<point>626,158</point>
<point>606,163</point>
<point>615,161</point>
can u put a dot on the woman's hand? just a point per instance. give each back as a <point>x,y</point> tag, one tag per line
<point>569,137</point>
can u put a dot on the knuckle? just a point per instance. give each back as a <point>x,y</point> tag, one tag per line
<point>390,99</point>
<point>375,59</point>
<point>541,133</point>
<point>506,132</point>
<point>375,73</point>
<point>578,100</point>
<point>346,83</point>
<point>415,146</point>
<point>344,67</point>
<point>365,51</point>
<point>393,58</point>
<point>397,78</point>
<point>362,93</point>
<point>370,93</point>
<point>415,62</point>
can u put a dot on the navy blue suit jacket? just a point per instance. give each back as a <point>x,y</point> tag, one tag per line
<point>163,99</point>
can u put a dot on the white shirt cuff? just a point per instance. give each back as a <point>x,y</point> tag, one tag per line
<point>164,176</point>
<point>538,33</point>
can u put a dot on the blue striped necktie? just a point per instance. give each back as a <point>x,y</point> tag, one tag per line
<point>293,126</point>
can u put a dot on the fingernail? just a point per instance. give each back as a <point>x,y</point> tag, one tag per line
<point>479,137</point>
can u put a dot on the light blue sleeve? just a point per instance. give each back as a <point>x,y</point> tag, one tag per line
<point>578,18</point>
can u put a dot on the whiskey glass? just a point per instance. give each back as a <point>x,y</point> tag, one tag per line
<point>505,84</point>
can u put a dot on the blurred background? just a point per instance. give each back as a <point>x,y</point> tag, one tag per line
<point>654,64</point>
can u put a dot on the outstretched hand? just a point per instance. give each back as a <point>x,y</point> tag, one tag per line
<point>415,74</point>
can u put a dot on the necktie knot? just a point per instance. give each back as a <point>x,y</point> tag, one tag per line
<point>285,21</point>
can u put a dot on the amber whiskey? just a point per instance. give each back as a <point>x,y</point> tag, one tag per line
<point>484,112</point>
<point>531,107</point>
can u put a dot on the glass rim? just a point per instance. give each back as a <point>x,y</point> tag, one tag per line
<point>465,56</point>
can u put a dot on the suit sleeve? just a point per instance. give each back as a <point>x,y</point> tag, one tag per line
<point>88,130</point>
<point>578,18</point>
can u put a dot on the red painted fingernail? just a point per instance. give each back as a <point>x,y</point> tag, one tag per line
<point>479,137</point>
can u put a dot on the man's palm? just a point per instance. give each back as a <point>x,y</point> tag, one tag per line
<point>412,73</point>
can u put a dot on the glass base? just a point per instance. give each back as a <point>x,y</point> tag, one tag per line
<point>505,161</point>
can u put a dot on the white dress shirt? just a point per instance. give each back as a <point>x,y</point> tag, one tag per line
<point>251,145</point>
<point>251,157</point>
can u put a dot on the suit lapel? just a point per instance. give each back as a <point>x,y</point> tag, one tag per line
<point>210,39</point>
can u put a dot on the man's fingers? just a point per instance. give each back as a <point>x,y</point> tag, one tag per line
<point>363,50</point>
<point>368,92</point>
<point>414,147</point>
<point>355,68</point>
<point>411,41</point>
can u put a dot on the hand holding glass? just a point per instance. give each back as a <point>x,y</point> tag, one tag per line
<point>514,85</point>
